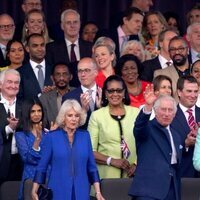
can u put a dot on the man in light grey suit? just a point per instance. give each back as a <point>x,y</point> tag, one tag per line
<point>51,100</point>
<point>178,51</point>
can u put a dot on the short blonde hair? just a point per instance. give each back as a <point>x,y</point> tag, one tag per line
<point>108,43</point>
<point>68,105</point>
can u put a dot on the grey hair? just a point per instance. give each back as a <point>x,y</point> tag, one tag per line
<point>8,71</point>
<point>164,97</point>
<point>189,29</point>
<point>131,43</point>
<point>68,11</point>
<point>68,105</point>
<point>109,44</point>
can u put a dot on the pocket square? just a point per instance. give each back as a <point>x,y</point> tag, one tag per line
<point>180,146</point>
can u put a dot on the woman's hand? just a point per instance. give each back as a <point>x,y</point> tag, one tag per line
<point>53,126</point>
<point>34,191</point>
<point>131,170</point>
<point>99,196</point>
<point>120,163</point>
<point>39,130</point>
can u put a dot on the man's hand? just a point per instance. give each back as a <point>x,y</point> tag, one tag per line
<point>12,122</point>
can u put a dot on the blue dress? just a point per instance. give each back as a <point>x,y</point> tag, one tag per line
<point>29,156</point>
<point>73,168</point>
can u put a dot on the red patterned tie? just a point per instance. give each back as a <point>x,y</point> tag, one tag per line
<point>191,121</point>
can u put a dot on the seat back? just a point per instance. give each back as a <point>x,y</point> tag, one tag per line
<point>9,190</point>
<point>190,188</point>
<point>116,188</point>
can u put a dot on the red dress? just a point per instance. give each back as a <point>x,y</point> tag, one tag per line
<point>139,100</point>
<point>100,78</point>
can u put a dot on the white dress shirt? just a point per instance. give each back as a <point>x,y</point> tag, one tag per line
<point>9,130</point>
<point>35,69</point>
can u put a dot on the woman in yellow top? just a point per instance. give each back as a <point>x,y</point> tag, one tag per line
<point>111,131</point>
<point>15,55</point>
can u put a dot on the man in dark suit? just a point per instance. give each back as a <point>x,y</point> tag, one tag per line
<point>87,72</point>
<point>7,29</point>
<point>71,48</point>
<point>187,89</point>
<point>36,74</point>
<point>10,109</point>
<point>51,100</point>
<point>163,60</point>
<point>159,151</point>
<point>128,29</point>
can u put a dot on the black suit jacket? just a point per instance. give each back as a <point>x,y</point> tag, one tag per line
<point>181,126</point>
<point>6,142</point>
<point>29,86</point>
<point>57,51</point>
<point>149,67</point>
<point>3,62</point>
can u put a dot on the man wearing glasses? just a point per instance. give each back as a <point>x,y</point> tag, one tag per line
<point>7,29</point>
<point>88,94</point>
<point>178,51</point>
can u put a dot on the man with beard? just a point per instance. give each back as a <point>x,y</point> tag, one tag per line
<point>178,51</point>
<point>51,100</point>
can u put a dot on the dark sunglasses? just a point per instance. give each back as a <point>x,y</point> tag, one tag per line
<point>118,91</point>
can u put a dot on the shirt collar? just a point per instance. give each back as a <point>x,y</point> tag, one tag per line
<point>68,43</point>
<point>34,64</point>
<point>94,88</point>
<point>184,109</point>
<point>5,101</point>
<point>163,60</point>
<point>121,33</point>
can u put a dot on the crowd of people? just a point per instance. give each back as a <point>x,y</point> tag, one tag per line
<point>95,104</point>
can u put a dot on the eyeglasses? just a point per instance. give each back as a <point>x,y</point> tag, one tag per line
<point>34,4</point>
<point>86,71</point>
<point>9,26</point>
<point>112,91</point>
<point>179,49</point>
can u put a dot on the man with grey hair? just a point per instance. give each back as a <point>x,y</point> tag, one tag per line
<point>143,5</point>
<point>7,29</point>
<point>10,109</point>
<point>159,151</point>
<point>71,48</point>
<point>193,36</point>
<point>88,94</point>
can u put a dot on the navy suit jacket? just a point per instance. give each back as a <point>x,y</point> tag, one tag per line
<point>181,126</point>
<point>6,142</point>
<point>154,170</point>
<point>29,86</point>
<point>75,94</point>
<point>149,67</point>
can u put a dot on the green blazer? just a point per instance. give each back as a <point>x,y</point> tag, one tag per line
<point>105,137</point>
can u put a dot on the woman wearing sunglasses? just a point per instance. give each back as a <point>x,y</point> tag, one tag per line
<point>111,131</point>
